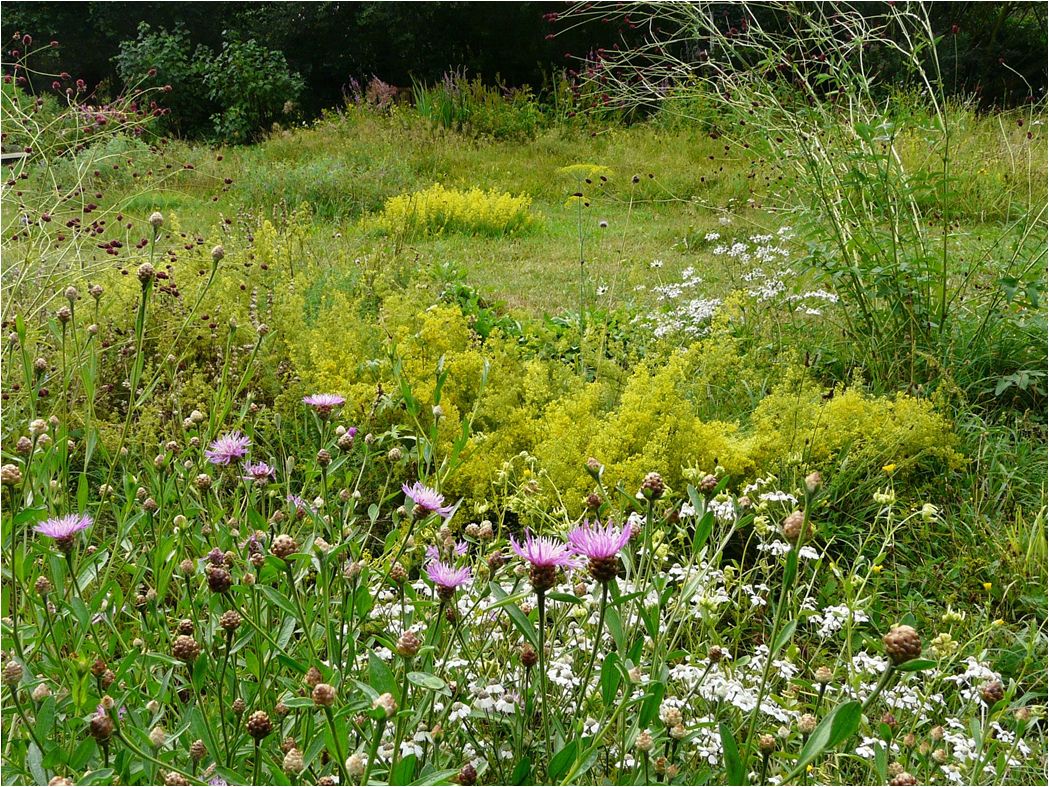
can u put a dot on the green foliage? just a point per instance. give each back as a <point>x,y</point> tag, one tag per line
<point>438,210</point>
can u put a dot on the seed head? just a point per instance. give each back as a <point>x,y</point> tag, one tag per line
<point>175,779</point>
<point>259,725</point>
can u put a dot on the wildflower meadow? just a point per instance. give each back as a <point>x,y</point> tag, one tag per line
<point>680,420</point>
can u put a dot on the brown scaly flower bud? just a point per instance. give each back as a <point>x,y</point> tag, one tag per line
<point>715,654</point>
<point>217,253</point>
<point>101,727</point>
<point>323,458</point>
<point>902,643</point>
<point>10,475</point>
<point>284,545</point>
<point>936,733</point>
<point>806,724</point>
<point>64,314</point>
<point>910,740</point>
<point>156,219</point>
<point>709,483</point>
<point>197,750</point>
<point>187,567</point>
<point>593,501</point>
<point>230,620</point>
<point>408,644</point>
<point>387,703</point>
<point>203,482</point>
<point>894,769</point>
<point>97,668</point>
<point>239,706</point>
<point>185,626</point>
<point>992,691</point>
<point>529,656</point>
<point>824,675</point>
<point>108,679</point>
<point>902,779</point>
<point>345,441</point>
<point>175,779</point>
<point>813,481</point>
<point>496,560</point>
<point>467,775</point>
<point>288,744</point>
<point>13,673</point>
<point>792,526</point>
<point>652,487</point>
<point>219,579</point>
<point>323,695</point>
<point>146,273</point>
<point>43,585</point>
<point>767,744</point>
<point>644,741</point>
<point>259,725</point>
<point>889,720</point>
<point>185,648</point>
<point>398,573</point>
<point>293,764</point>
<point>313,677</point>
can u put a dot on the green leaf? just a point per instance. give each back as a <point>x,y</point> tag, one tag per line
<point>735,773</point>
<point>840,723</point>
<point>278,599</point>
<point>561,761</point>
<point>783,637</point>
<point>404,771</point>
<point>35,760</point>
<point>523,624</point>
<point>381,676</point>
<point>915,665</point>
<point>427,681</point>
<point>522,772</point>
<point>650,707</point>
<point>611,677</point>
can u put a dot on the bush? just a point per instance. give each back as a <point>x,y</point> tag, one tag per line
<point>439,209</point>
<point>252,86</point>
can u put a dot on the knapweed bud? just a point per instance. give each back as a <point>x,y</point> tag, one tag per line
<point>158,736</point>
<point>408,644</point>
<point>293,763</point>
<point>156,219</point>
<point>793,526</point>
<point>10,475</point>
<point>259,725</point>
<point>644,741</point>
<point>72,294</point>
<point>902,643</point>
<point>902,779</point>
<point>387,703</point>
<point>992,691</point>
<point>95,290</point>
<point>101,727</point>
<point>652,487</point>
<point>766,744</point>
<point>355,764</point>
<point>313,677</point>
<point>203,482</point>
<point>467,776</point>
<point>284,545</point>
<point>64,314</point>
<point>824,675</point>
<point>197,750</point>
<point>323,695</point>
<point>38,427</point>
<point>806,724</point>
<point>239,706</point>
<point>398,573</point>
<point>43,585</point>
<point>13,673</point>
<point>41,692</point>
<point>185,648</point>
<point>813,482</point>
<point>146,273</point>
<point>323,458</point>
<point>217,253</point>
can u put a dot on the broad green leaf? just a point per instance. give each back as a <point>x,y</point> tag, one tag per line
<point>381,676</point>
<point>735,772</point>
<point>427,681</point>
<point>839,724</point>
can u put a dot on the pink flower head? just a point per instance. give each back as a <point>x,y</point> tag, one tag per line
<point>427,500</point>
<point>596,542</point>
<point>259,472</point>
<point>228,448</point>
<point>323,403</point>
<point>63,528</point>
<point>544,552</point>
<point>447,577</point>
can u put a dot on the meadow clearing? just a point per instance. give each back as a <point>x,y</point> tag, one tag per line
<point>485,438</point>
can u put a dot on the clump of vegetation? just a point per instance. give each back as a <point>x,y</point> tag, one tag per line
<point>440,210</point>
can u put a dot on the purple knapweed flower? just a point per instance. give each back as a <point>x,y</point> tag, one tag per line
<point>324,403</point>
<point>300,505</point>
<point>259,472</point>
<point>600,545</point>
<point>228,448</point>
<point>63,528</point>
<point>427,501</point>
<point>447,578</point>
<point>545,555</point>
